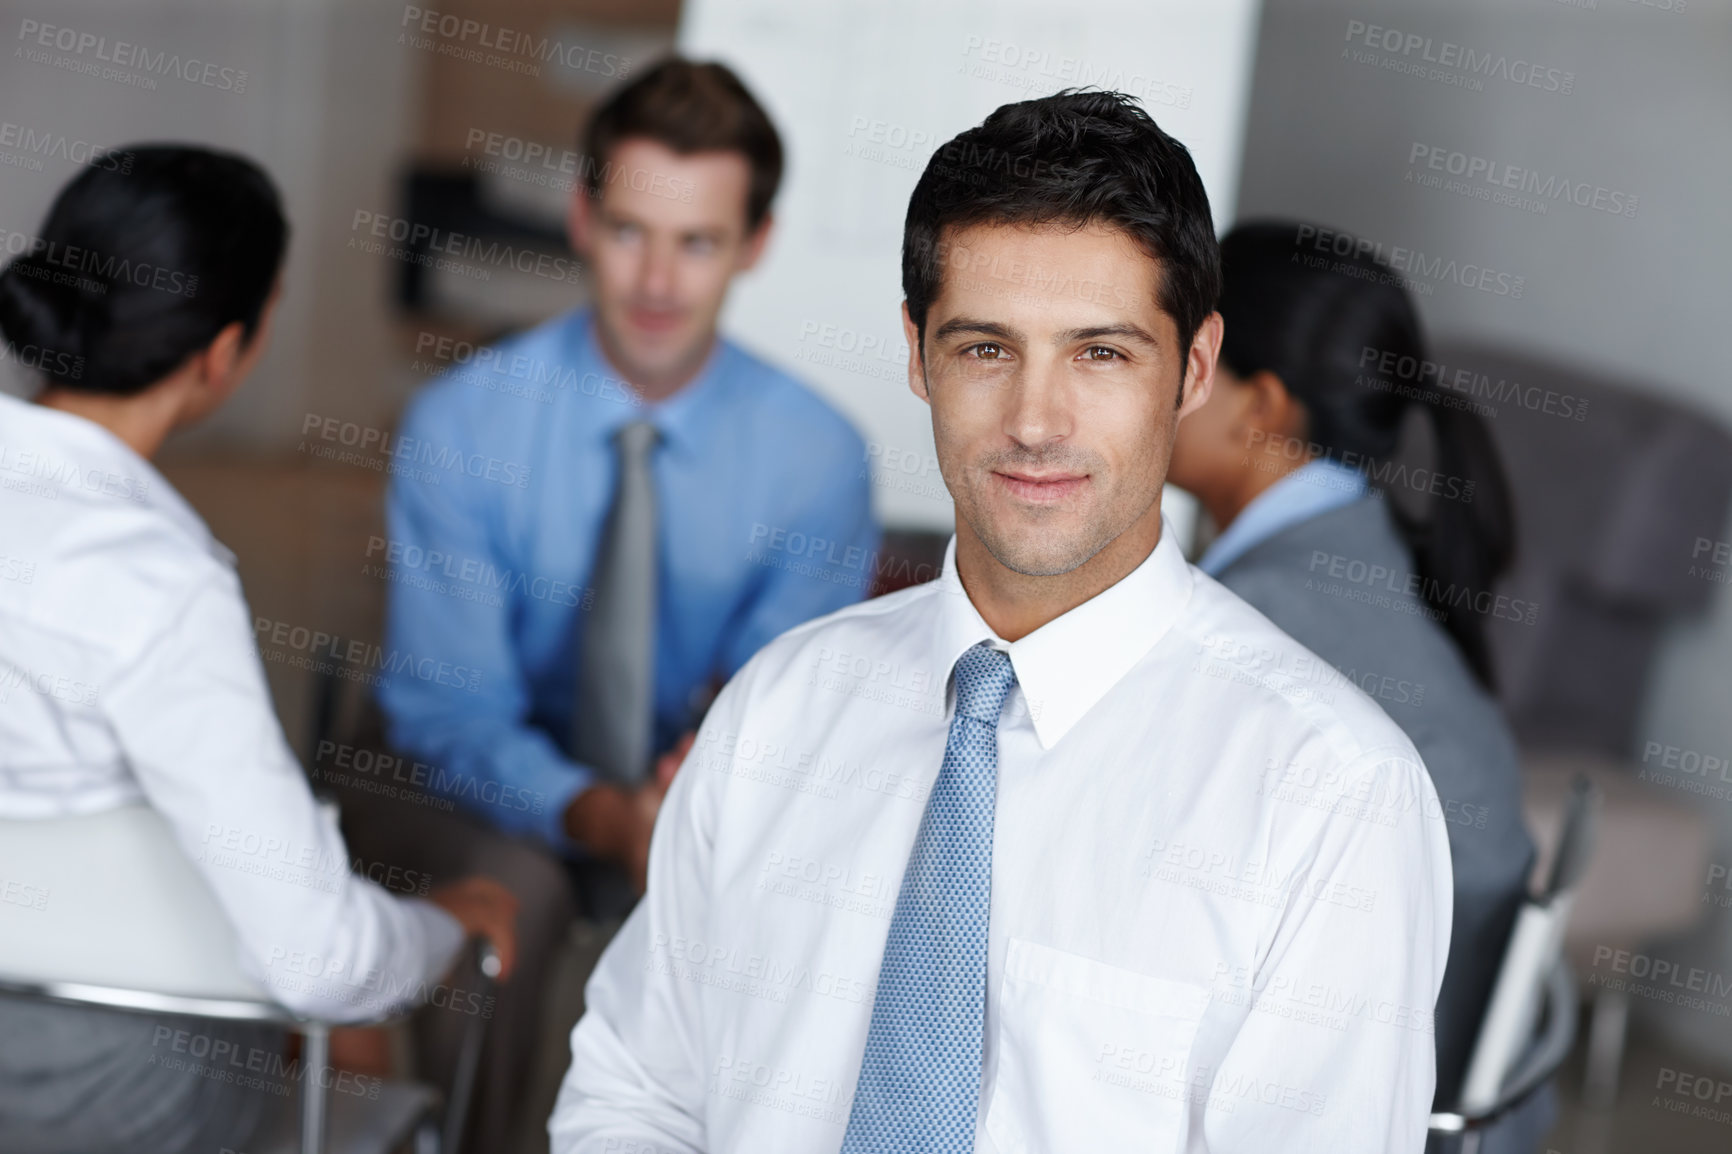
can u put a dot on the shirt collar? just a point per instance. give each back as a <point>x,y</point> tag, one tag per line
<point>679,418</point>
<point>1315,488</point>
<point>87,446</point>
<point>1067,665</point>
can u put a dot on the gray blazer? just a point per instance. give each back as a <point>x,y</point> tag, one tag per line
<point>1374,632</point>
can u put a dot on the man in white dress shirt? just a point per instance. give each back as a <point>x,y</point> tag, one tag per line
<point>1069,849</point>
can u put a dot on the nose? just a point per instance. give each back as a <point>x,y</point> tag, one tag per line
<point>1038,404</point>
<point>657,276</point>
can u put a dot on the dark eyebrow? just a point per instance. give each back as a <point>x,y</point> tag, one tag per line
<point>1124,331</point>
<point>959,326</point>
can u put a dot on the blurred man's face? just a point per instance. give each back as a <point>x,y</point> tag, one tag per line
<point>663,240</point>
<point>1053,375</point>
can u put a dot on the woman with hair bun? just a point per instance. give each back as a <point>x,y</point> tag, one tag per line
<point>128,651</point>
<point>1309,403</point>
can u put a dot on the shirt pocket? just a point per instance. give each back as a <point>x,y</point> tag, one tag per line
<point>1091,1057</point>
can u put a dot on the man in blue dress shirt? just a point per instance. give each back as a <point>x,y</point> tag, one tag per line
<point>643,505</point>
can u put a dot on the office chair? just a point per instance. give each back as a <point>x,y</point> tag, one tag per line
<point>1510,1061</point>
<point>127,923</point>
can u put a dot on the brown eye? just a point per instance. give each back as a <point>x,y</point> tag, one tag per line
<point>1100,353</point>
<point>987,351</point>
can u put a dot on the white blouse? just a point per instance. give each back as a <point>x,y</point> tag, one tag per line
<point>128,673</point>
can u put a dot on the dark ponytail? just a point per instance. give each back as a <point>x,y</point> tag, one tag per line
<point>134,271</point>
<point>1321,312</point>
<point>1463,546</point>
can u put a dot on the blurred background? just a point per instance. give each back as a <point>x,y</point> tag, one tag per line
<point>1550,174</point>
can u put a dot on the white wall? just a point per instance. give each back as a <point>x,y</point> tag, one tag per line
<point>1329,139</point>
<point>863,94</point>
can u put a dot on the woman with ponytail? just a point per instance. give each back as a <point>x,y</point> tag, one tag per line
<point>134,677</point>
<point>1382,568</point>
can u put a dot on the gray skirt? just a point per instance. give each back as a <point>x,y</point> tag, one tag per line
<point>84,1080</point>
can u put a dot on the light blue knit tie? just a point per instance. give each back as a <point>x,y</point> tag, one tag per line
<point>920,1082</point>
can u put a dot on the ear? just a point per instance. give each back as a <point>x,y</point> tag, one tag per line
<point>215,366</point>
<point>579,219</point>
<point>1200,361</point>
<point>916,363</point>
<point>1272,408</point>
<point>755,244</point>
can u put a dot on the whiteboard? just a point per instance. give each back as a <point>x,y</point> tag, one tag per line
<point>863,94</point>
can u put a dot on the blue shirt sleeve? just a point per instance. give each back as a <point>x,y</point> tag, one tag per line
<point>486,756</point>
<point>835,559</point>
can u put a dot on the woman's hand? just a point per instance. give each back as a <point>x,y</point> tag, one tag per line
<point>484,908</point>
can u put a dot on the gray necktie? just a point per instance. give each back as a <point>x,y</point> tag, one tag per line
<point>614,719</point>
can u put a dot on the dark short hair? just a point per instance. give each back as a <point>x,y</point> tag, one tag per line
<point>1072,158</point>
<point>689,106</point>
<point>143,260</point>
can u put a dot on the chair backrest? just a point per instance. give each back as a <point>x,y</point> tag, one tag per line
<point>115,904</point>
<point>1617,487</point>
<point>1535,948</point>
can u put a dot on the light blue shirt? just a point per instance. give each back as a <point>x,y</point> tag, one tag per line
<point>503,475</point>
<point>1311,490</point>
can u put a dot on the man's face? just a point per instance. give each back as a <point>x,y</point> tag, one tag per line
<point>1053,375</point>
<point>663,239</point>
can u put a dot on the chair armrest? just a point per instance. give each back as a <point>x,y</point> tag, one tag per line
<point>150,1001</point>
<point>1536,1068</point>
<point>184,1005</point>
<point>487,965</point>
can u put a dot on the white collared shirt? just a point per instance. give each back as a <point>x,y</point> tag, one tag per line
<point>1220,890</point>
<point>129,673</point>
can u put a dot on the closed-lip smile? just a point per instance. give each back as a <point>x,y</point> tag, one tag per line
<point>1041,488</point>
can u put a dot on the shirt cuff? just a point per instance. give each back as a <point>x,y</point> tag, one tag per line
<point>551,821</point>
